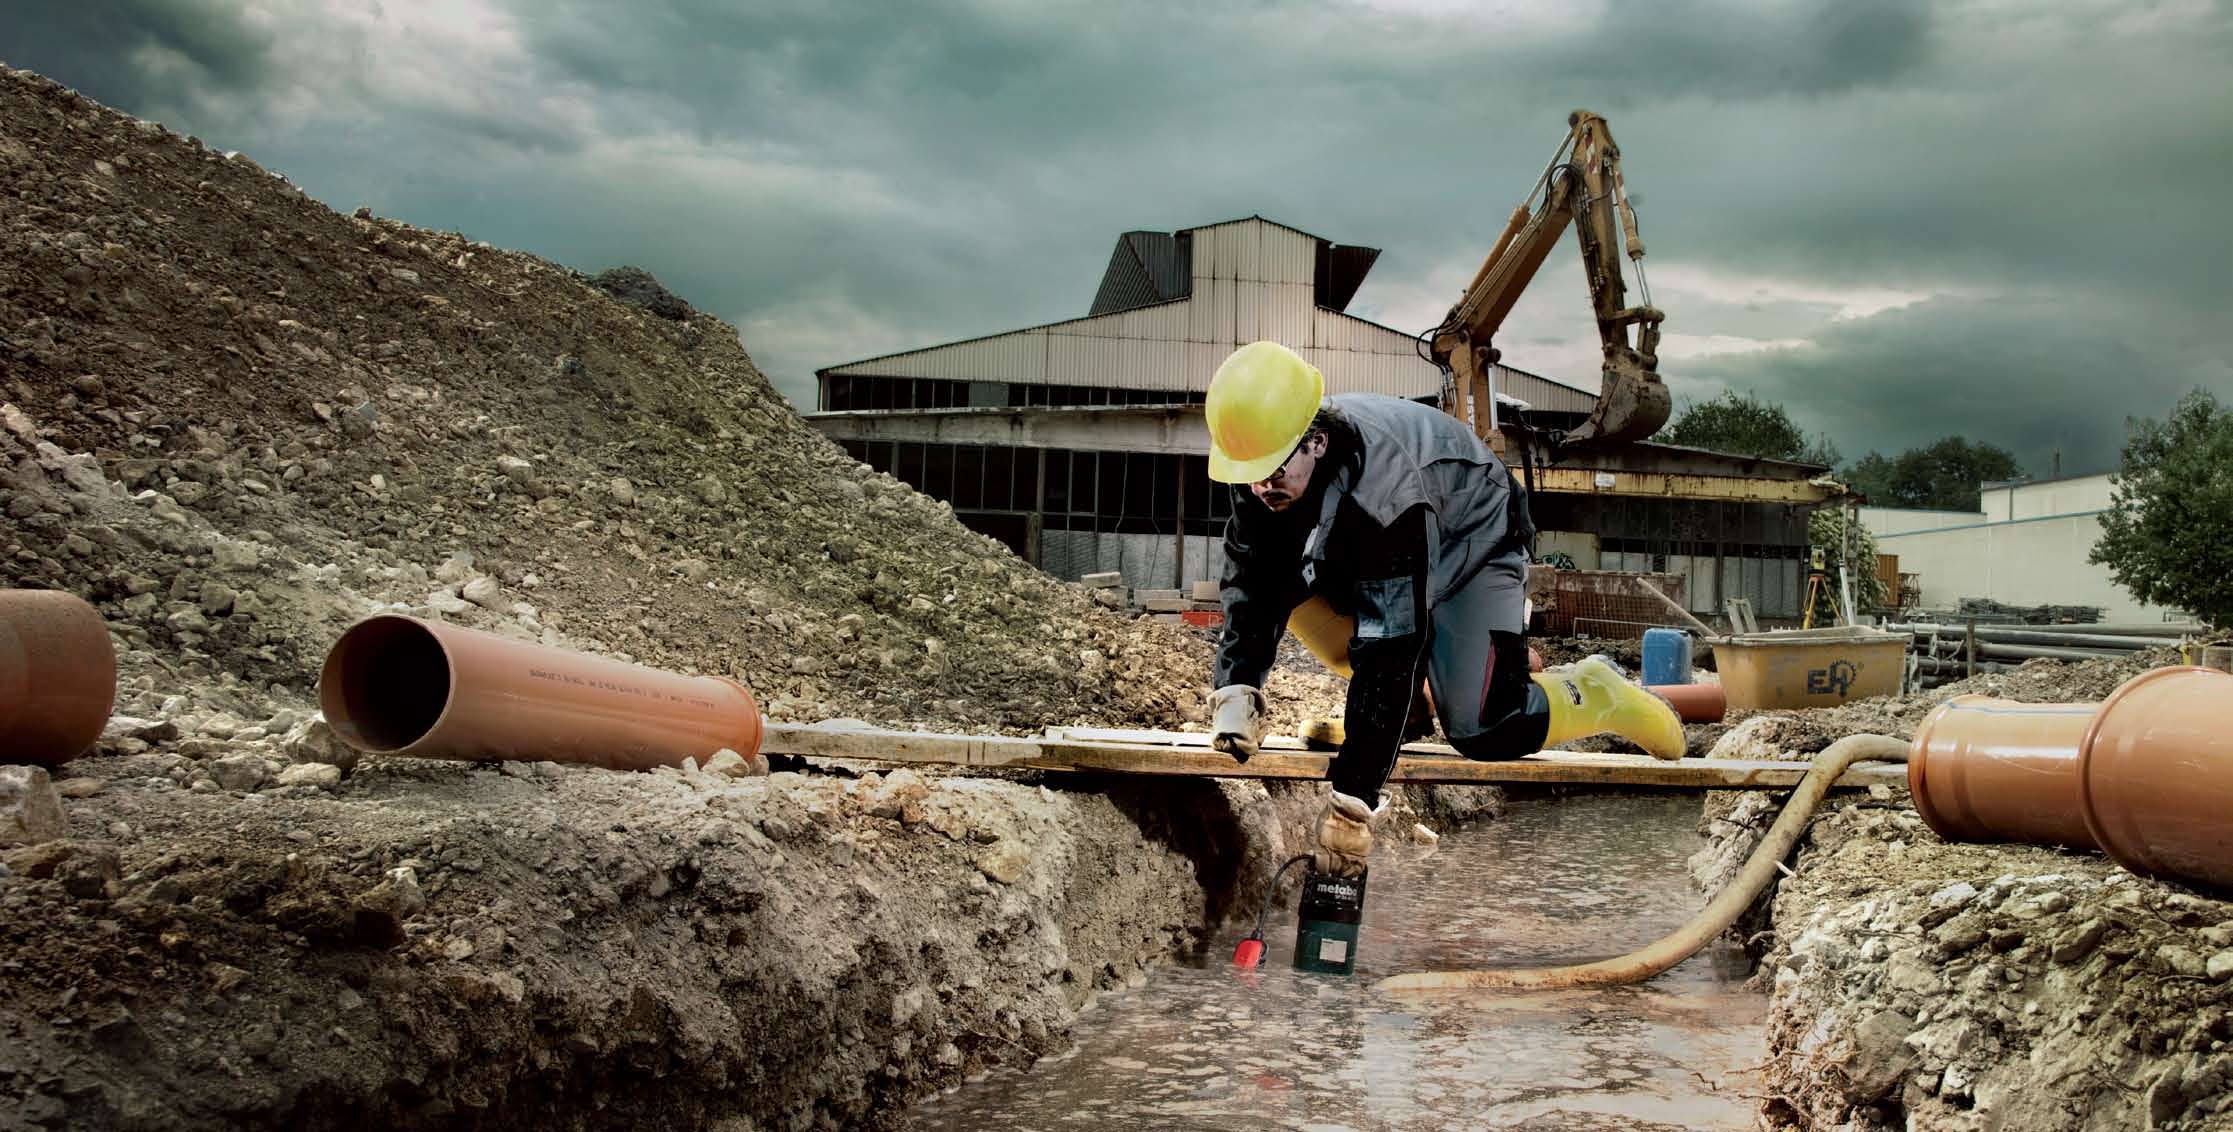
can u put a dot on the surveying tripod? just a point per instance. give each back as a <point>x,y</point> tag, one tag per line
<point>1818,584</point>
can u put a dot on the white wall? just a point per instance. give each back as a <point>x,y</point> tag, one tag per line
<point>2036,558</point>
<point>1881,521</point>
<point>2078,496</point>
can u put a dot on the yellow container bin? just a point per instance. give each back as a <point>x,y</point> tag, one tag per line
<point>1804,668</point>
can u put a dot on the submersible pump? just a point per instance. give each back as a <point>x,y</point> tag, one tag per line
<point>1326,923</point>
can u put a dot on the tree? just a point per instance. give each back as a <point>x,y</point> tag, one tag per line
<point>2167,537</point>
<point>1946,475</point>
<point>1744,425</point>
<point>1826,533</point>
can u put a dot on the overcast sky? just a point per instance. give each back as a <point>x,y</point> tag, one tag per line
<point>1901,220</point>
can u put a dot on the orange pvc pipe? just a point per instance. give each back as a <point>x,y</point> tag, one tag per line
<point>404,686</point>
<point>1695,703</point>
<point>57,676</point>
<point>1984,769</point>
<point>2155,775</point>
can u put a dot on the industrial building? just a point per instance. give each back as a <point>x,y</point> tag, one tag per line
<point>2025,545</point>
<point>1081,443</point>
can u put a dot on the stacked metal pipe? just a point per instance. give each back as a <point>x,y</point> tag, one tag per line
<point>1943,652</point>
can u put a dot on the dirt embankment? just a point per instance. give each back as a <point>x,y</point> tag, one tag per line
<point>431,945</point>
<point>240,420</point>
<point>1920,984</point>
<point>237,421</point>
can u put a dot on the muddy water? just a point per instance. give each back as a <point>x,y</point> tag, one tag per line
<point>1206,1047</point>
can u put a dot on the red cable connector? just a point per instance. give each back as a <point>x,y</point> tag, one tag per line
<point>1249,952</point>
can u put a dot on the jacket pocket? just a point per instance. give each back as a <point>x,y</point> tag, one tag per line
<point>1386,608</point>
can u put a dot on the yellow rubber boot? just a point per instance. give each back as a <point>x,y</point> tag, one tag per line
<point>1591,697</point>
<point>1326,634</point>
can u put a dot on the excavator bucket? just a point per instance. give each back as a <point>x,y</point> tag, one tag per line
<point>1631,405</point>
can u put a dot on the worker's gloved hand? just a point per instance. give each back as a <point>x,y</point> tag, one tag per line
<point>1345,835</point>
<point>1236,720</point>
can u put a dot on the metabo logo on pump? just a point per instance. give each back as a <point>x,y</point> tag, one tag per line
<point>1837,678</point>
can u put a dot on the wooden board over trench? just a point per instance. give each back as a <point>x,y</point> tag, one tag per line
<point>1113,751</point>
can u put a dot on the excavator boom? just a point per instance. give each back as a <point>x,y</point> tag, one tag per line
<point>1582,186</point>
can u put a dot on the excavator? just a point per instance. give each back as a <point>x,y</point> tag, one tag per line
<point>1582,185</point>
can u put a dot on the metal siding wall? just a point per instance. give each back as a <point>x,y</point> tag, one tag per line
<point>1290,258</point>
<point>1224,250</point>
<point>1248,265</point>
<point>1202,359</point>
<point>1150,364</point>
<point>1222,300</point>
<point>1331,331</point>
<point>1166,323</point>
<point>1289,315</point>
<point>1072,360</point>
<point>1701,583</point>
<point>1786,587</point>
<point>1200,326</point>
<point>1248,311</point>
<point>1545,395</point>
<point>1020,358</point>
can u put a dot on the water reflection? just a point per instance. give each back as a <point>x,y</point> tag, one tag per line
<point>1206,1047</point>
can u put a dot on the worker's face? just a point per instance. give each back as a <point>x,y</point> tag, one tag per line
<point>1282,488</point>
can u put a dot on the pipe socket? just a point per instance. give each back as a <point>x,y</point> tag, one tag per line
<point>57,676</point>
<point>2145,776</point>
<point>397,685</point>
<point>2155,775</point>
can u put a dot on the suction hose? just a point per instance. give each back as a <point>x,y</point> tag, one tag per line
<point>1711,921</point>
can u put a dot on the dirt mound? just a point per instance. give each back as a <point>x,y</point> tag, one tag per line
<point>635,285</point>
<point>239,420</point>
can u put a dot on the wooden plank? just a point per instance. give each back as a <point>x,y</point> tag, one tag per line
<point>1186,753</point>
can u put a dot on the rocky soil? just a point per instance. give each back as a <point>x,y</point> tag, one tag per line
<point>1920,984</point>
<point>238,421</point>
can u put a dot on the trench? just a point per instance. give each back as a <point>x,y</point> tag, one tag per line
<point>1205,1046</point>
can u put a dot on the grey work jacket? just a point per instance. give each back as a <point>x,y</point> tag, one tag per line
<point>1416,455</point>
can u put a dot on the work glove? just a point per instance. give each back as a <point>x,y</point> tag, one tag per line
<point>1236,720</point>
<point>1345,835</point>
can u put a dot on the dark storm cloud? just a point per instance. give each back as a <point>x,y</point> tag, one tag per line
<point>137,53</point>
<point>2040,377</point>
<point>844,180</point>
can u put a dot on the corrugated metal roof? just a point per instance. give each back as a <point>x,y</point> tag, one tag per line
<point>1543,393</point>
<point>1146,267</point>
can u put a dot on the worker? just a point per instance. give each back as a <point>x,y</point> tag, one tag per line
<point>1388,523</point>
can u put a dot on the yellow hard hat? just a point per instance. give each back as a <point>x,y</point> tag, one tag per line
<point>1260,405</point>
